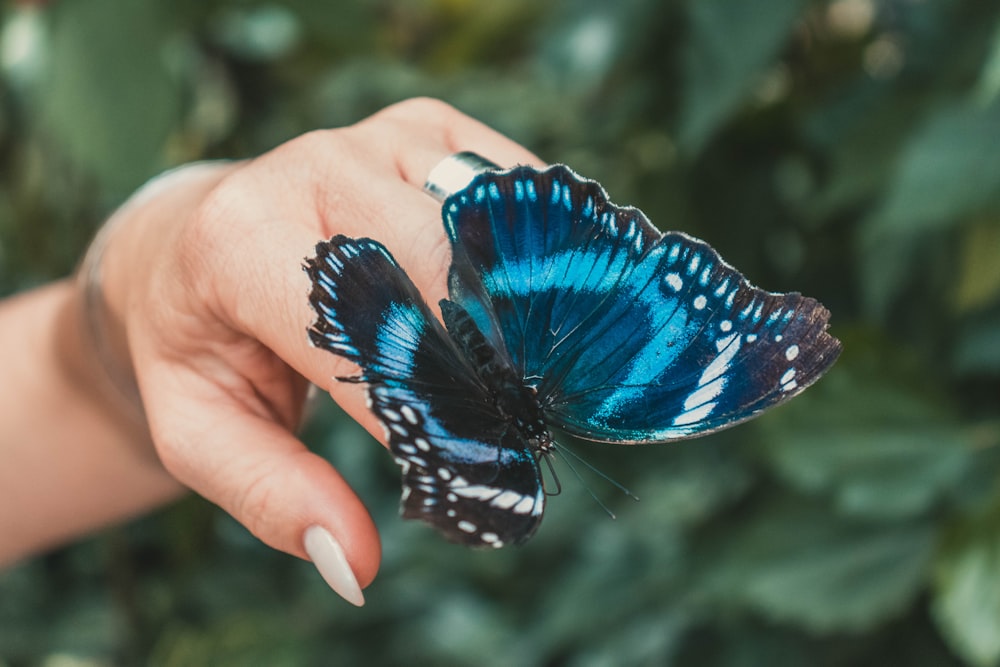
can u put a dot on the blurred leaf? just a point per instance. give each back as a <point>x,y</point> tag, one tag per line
<point>988,86</point>
<point>794,561</point>
<point>979,270</point>
<point>109,99</point>
<point>977,351</point>
<point>249,638</point>
<point>489,31</point>
<point>727,49</point>
<point>898,453</point>
<point>345,25</point>
<point>888,269</point>
<point>967,590</point>
<point>90,626</point>
<point>585,39</point>
<point>860,132</point>
<point>259,33</point>
<point>949,170</point>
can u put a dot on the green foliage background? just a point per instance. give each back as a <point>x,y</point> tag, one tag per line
<point>848,149</point>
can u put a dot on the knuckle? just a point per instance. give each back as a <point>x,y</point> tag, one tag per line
<point>308,143</point>
<point>424,109</point>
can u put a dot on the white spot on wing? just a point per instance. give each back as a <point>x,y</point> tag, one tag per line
<point>507,499</point>
<point>704,394</point>
<point>476,491</point>
<point>410,414</point>
<point>705,275</point>
<point>693,416</point>
<point>700,403</point>
<point>526,506</point>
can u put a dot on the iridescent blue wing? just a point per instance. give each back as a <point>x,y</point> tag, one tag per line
<point>465,470</point>
<point>628,335</point>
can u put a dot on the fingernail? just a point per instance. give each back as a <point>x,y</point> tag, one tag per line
<point>328,557</point>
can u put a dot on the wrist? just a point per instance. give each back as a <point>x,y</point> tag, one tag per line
<point>102,352</point>
<point>116,268</point>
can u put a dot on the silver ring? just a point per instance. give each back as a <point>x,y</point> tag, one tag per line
<point>455,172</point>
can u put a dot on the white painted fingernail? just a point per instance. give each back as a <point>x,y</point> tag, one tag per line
<point>328,557</point>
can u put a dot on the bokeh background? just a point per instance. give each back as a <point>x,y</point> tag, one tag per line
<point>848,149</point>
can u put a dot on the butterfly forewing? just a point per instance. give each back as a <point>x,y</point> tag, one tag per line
<point>466,471</point>
<point>629,335</point>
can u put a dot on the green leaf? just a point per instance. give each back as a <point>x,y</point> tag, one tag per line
<point>795,561</point>
<point>967,590</point>
<point>728,47</point>
<point>109,98</point>
<point>861,133</point>
<point>979,270</point>
<point>988,86</point>
<point>899,451</point>
<point>977,351</point>
<point>949,171</point>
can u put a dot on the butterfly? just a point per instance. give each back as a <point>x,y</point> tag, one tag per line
<point>564,311</point>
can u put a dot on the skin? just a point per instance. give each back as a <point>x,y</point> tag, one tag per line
<point>208,307</point>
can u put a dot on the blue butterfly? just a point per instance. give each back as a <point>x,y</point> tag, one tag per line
<point>565,311</point>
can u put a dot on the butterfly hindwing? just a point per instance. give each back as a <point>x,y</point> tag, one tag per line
<point>465,471</point>
<point>628,335</point>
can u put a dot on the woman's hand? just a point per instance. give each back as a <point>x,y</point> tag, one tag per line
<point>203,280</point>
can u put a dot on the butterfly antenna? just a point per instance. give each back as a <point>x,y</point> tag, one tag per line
<point>594,469</point>
<point>593,495</point>
<point>546,456</point>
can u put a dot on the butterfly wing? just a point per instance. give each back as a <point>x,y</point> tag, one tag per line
<point>629,335</point>
<point>465,470</point>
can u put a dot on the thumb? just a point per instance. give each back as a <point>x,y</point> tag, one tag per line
<point>252,467</point>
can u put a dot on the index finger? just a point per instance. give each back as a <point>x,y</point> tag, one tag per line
<point>361,181</point>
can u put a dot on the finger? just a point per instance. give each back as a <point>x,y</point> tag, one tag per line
<point>363,181</point>
<point>427,130</point>
<point>362,192</point>
<point>260,474</point>
<point>269,302</point>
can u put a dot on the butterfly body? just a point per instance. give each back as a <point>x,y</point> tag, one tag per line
<point>512,398</point>
<point>564,311</point>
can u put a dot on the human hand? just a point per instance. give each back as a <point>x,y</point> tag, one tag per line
<point>203,280</point>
